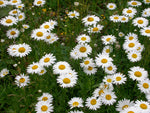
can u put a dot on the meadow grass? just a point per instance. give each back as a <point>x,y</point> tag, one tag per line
<point>22,100</point>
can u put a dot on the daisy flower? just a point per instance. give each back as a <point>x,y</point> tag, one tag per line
<point>134,56</point>
<point>93,103</point>
<point>46,97</point>
<point>20,17</point>
<point>77,111</point>
<point>39,2</point>
<point>144,86</point>
<point>66,80</point>
<point>75,102</point>
<point>146,1</point>
<point>8,21</point>
<point>47,26</point>
<point>98,92</point>
<point>95,29</point>
<point>14,12</point>
<point>22,80</point>
<point>90,69</point>
<point>143,106</point>
<point>72,73</point>
<point>61,67</point>
<point>74,54</point>
<point>146,12</point>
<point>108,98</point>
<point>123,104</point>
<point>42,71</point>
<point>38,34</point>
<point>83,50</point>
<point>34,68</point>
<point>138,73</point>
<point>140,48</point>
<point>134,3</point>
<point>12,33</point>
<point>110,69</point>
<point>119,78</point>
<point>124,19</point>
<point>50,38</point>
<point>129,11</point>
<point>12,50</point>
<point>25,26</point>
<point>83,38</point>
<point>145,31</point>
<point>115,18</point>
<point>121,34</point>
<point>108,79</point>
<point>108,39</point>
<point>90,20</point>
<point>53,23</point>
<point>43,107</point>
<point>107,50</point>
<point>47,60</point>
<point>140,22</point>
<point>20,6</point>
<point>103,60</point>
<point>4,72</point>
<point>14,2</point>
<point>111,6</point>
<point>131,109</point>
<point>87,62</point>
<point>130,45</point>
<point>131,36</point>
<point>3,3</point>
<point>73,14</point>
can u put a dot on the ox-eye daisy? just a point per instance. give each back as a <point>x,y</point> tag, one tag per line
<point>143,106</point>
<point>8,21</point>
<point>145,31</point>
<point>140,22</point>
<point>111,6</point>
<point>39,2</point>
<point>129,11</point>
<point>134,56</point>
<point>119,78</point>
<point>34,68</point>
<point>134,3</point>
<point>90,20</point>
<point>108,39</point>
<point>144,86</point>
<point>83,38</point>
<point>46,97</point>
<point>12,33</point>
<point>75,102</point>
<point>4,72</point>
<point>73,14</point>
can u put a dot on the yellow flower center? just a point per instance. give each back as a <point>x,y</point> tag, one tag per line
<point>46,59</point>
<point>86,62</point>
<point>109,68</point>
<point>109,80</point>
<point>83,49</point>
<point>62,67</point>
<point>147,1</point>
<point>140,21</point>
<point>138,48</point>
<point>39,34</point>
<point>116,18</point>
<point>14,1</point>
<point>107,50</point>
<point>44,108</point>
<point>104,60</point>
<point>145,85</point>
<point>8,21</point>
<point>44,98</point>
<point>95,29</point>
<point>125,106</point>
<point>111,6</point>
<point>134,3</point>
<point>123,19</point>
<point>20,6</point>
<point>39,2</point>
<point>129,11</point>
<point>1,2</point>
<point>118,78</point>
<point>25,27</point>
<point>46,26</point>
<point>20,16</point>
<point>134,55</point>
<point>147,31</point>
<point>143,106</point>
<point>90,19</point>
<point>100,92</point>
<point>83,38</point>
<point>66,80</point>
<point>34,67</point>
<point>130,112</point>
<point>75,104</point>
<point>93,102</point>
<point>90,68</point>
<point>108,97</point>
<point>138,74</point>
<point>72,14</point>
<point>21,49</point>
<point>131,45</point>
<point>108,39</point>
<point>131,38</point>
<point>48,37</point>
<point>22,80</point>
<point>42,71</point>
<point>14,12</point>
<point>12,32</point>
